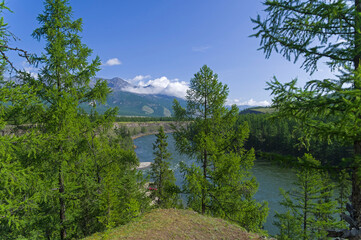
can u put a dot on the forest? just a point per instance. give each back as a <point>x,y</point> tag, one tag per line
<point>281,137</point>
<point>66,173</point>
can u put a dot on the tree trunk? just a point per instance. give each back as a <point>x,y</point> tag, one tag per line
<point>205,178</point>
<point>160,187</point>
<point>356,186</point>
<point>205,155</point>
<point>95,160</point>
<point>62,206</point>
<point>305,210</point>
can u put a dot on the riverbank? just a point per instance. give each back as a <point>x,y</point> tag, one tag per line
<point>141,129</point>
<point>149,133</point>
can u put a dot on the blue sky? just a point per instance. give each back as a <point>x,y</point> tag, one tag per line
<point>164,42</point>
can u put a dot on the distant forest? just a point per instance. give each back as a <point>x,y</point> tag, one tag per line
<point>280,137</point>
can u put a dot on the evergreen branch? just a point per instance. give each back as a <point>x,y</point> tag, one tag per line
<point>345,233</point>
<point>222,208</point>
<point>8,61</point>
<point>21,53</point>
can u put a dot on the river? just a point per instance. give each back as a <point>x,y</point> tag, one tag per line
<point>269,176</point>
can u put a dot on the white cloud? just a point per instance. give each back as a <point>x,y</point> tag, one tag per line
<point>29,69</point>
<point>162,85</point>
<point>138,78</point>
<point>250,102</point>
<point>201,48</point>
<point>112,62</point>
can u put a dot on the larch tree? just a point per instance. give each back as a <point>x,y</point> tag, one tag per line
<point>3,40</point>
<point>64,174</point>
<point>310,207</point>
<point>328,109</point>
<point>90,181</point>
<point>220,183</point>
<point>109,188</point>
<point>166,193</point>
<point>18,195</point>
<point>18,182</point>
<point>62,84</point>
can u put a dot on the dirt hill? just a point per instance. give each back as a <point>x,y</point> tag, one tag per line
<point>176,224</point>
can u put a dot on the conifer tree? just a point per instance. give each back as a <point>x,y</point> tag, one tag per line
<point>18,183</point>
<point>166,192</point>
<point>289,226</point>
<point>64,78</point>
<point>328,109</point>
<point>117,191</point>
<point>63,175</point>
<point>310,207</point>
<point>18,195</point>
<point>2,40</point>
<point>220,183</point>
<point>62,84</point>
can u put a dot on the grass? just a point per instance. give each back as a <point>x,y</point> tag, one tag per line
<point>176,224</point>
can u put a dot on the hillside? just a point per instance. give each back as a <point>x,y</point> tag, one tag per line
<point>176,224</point>
<point>257,110</point>
<point>133,104</point>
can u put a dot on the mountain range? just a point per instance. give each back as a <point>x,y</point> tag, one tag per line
<point>133,104</point>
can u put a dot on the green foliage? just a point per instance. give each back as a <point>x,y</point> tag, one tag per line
<point>18,195</point>
<point>121,195</point>
<point>343,189</point>
<point>17,192</point>
<point>220,183</point>
<point>288,224</point>
<point>327,109</point>
<point>112,187</point>
<point>3,39</point>
<point>64,83</point>
<point>310,206</point>
<point>167,193</point>
<point>292,27</point>
<point>280,136</point>
<point>64,174</point>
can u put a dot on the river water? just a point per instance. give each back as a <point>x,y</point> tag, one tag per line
<point>269,176</point>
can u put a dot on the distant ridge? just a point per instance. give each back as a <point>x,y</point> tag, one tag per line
<point>133,104</point>
<point>257,110</point>
<point>116,83</point>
